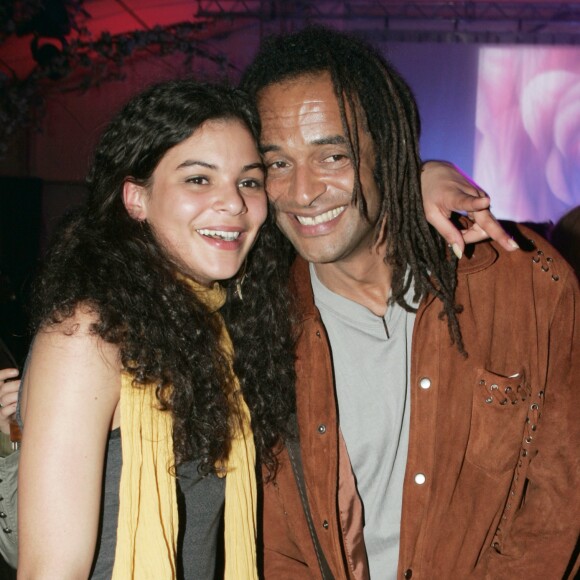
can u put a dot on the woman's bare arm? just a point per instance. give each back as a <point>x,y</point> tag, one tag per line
<point>70,396</point>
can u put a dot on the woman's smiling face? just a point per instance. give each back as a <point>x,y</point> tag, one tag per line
<point>207,201</point>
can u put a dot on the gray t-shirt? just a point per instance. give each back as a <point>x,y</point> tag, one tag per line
<point>371,360</point>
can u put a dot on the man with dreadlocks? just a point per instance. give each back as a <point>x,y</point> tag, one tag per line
<point>435,406</point>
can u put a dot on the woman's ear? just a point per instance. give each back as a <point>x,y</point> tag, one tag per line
<point>135,200</point>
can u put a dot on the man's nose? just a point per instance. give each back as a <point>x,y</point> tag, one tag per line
<point>306,186</point>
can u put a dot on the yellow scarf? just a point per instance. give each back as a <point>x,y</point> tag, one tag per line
<point>148,522</point>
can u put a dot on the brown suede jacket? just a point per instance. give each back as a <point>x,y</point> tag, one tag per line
<point>492,486</point>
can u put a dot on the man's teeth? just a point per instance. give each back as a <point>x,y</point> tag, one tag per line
<point>227,236</point>
<point>322,218</point>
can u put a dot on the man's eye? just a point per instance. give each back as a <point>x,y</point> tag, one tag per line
<point>197,180</point>
<point>336,158</point>
<point>277,165</point>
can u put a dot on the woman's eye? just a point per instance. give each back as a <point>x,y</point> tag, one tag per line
<point>251,183</point>
<point>198,180</point>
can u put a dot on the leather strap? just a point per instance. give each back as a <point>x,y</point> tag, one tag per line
<point>293,448</point>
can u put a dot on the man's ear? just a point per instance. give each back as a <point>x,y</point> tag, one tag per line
<point>135,200</point>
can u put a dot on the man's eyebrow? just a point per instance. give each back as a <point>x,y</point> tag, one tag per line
<point>267,148</point>
<point>331,140</point>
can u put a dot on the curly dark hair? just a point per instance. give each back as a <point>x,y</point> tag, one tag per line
<point>102,257</point>
<point>384,106</point>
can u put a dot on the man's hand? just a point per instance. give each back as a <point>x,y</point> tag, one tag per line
<point>8,397</point>
<point>446,190</point>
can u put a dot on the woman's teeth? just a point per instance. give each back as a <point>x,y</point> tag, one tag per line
<point>227,236</point>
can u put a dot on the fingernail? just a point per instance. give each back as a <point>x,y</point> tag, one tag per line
<point>457,251</point>
<point>513,244</point>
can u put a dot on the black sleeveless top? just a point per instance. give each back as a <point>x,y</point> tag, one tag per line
<point>200,504</point>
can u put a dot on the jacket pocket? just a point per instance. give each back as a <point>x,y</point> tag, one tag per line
<point>498,415</point>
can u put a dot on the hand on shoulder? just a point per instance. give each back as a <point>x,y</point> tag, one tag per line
<point>447,190</point>
<point>9,385</point>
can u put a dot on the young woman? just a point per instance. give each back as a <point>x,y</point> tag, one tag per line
<point>131,384</point>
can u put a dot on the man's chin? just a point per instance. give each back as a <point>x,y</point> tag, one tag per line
<point>318,255</point>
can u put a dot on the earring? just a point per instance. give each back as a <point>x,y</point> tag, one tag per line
<point>240,279</point>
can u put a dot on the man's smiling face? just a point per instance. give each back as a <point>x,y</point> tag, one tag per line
<point>310,176</point>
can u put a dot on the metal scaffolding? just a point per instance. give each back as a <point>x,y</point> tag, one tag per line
<point>483,22</point>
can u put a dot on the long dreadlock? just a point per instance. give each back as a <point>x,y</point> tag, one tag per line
<point>383,104</point>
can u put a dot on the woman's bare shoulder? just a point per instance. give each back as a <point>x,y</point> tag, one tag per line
<point>77,333</point>
<point>70,361</point>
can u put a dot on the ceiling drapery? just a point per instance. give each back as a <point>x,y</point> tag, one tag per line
<point>48,45</point>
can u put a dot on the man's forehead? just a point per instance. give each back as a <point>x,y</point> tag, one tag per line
<point>304,111</point>
<point>307,94</point>
<point>304,91</point>
<point>304,101</point>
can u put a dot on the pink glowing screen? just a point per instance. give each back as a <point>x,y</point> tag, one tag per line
<point>527,141</point>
